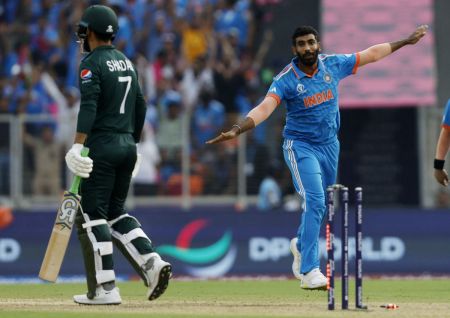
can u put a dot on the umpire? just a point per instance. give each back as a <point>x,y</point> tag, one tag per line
<point>110,122</point>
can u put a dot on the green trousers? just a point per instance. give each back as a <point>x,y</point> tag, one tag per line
<point>103,219</point>
<point>105,191</point>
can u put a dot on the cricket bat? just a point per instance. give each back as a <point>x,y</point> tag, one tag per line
<point>59,239</point>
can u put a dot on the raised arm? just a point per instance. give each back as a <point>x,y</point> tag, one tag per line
<point>256,116</point>
<point>380,51</point>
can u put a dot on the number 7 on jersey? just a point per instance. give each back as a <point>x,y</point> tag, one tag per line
<point>125,79</point>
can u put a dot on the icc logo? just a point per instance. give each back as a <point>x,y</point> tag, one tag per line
<point>301,89</point>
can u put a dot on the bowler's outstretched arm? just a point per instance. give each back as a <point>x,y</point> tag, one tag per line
<point>256,116</point>
<point>380,51</point>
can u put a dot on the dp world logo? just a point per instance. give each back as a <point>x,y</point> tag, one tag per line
<point>213,260</point>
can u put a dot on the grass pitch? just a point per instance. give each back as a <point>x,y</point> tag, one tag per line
<point>234,298</point>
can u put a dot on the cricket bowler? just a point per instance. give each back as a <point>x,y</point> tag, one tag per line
<point>309,87</point>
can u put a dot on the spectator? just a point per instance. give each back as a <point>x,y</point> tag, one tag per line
<point>155,37</point>
<point>269,195</point>
<point>196,76</point>
<point>169,134</point>
<point>124,39</point>
<point>67,116</point>
<point>169,130</point>
<point>228,81</point>
<point>146,181</point>
<point>195,38</point>
<point>48,155</point>
<point>207,120</point>
<point>233,19</point>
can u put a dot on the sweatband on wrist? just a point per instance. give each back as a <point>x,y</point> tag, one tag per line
<point>439,164</point>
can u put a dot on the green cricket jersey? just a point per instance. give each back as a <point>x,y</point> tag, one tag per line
<point>111,98</point>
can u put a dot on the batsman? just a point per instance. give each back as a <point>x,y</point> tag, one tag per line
<point>110,122</point>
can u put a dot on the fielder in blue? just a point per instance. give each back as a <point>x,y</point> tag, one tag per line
<point>309,87</point>
<point>442,147</point>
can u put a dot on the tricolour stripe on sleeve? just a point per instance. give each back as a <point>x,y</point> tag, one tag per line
<point>275,96</point>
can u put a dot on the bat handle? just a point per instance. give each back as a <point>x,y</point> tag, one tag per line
<point>77,179</point>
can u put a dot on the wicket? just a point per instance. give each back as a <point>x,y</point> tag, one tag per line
<point>344,197</point>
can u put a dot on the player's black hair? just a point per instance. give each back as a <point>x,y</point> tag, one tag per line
<point>304,30</point>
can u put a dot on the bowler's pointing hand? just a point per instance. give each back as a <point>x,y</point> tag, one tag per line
<point>418,34</point>
<point>441,176</point>
<point>224,136</point>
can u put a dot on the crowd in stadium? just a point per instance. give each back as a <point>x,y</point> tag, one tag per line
<point>197,59</point>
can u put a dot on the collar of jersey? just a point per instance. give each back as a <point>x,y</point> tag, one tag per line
<point>104,47</point>
<point>299,74</point>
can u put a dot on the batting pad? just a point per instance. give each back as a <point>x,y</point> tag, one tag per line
<point>100,239</point>
<point>132,242</point>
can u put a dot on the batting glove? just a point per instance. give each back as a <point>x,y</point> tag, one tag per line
<point>80,166</point>
<point>137,165</point>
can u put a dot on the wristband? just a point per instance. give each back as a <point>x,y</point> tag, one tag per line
<point>238,127</point>
<point>439,164</point>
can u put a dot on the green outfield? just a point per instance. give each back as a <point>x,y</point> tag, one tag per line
<point>233,298</point>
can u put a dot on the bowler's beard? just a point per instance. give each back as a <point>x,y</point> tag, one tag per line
<point>308,59</point>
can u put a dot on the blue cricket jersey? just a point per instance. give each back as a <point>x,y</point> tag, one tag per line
<point>312,102</point>
<point>446,118</point>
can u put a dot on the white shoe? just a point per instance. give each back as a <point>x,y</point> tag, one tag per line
<point>314,280</point>
<point>158,273</point>
<point>297,263</point>
<point>102,297</point>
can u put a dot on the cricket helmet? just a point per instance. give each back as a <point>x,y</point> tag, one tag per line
<point>100,19</point>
